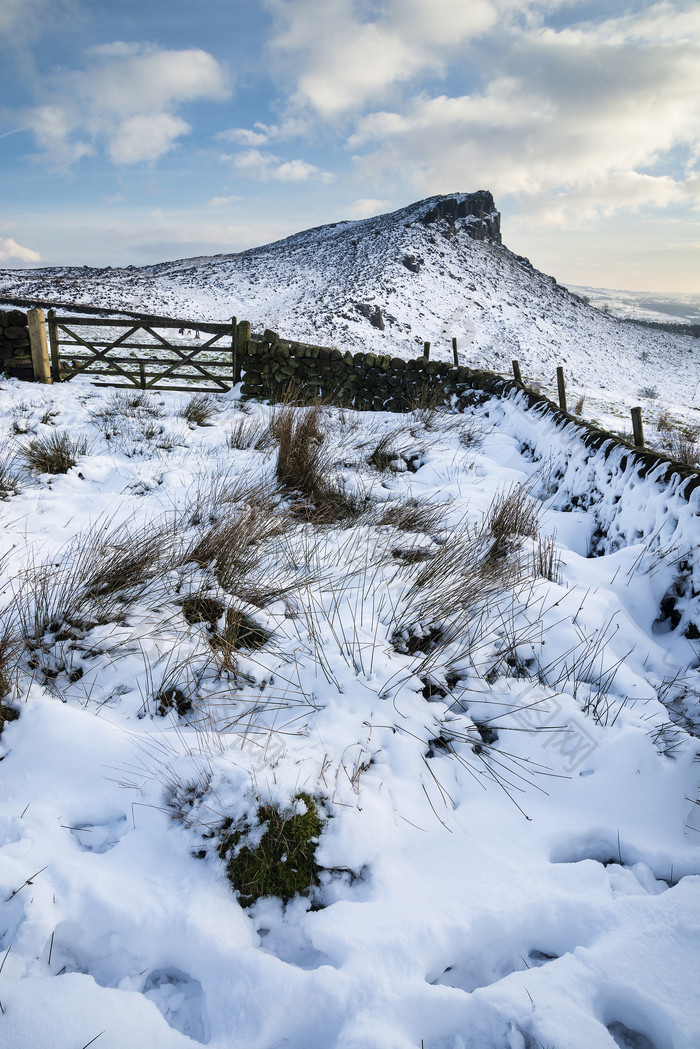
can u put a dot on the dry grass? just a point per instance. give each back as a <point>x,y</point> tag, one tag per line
<point>545,559</point>
<point>303,468</point>
<point>200,410</point>
<point>95,577</point>
<point>248,433</point>
<point>9,481</point>
<point>11,648</point>
<point>410,515</point>
<point>578,407</point>
<point>130,405</point>
<point>232,545</point>
<point>56,453</point>
<point>512,513</point>
<point>684,448</point>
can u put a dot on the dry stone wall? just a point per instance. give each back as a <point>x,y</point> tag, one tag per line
<point>274,368</point>
<point>15,352</point>
<point>365,381</point>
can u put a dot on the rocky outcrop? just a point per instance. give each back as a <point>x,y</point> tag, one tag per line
<point>483,221</point>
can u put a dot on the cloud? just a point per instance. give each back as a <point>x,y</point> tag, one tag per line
<point>124,103</point>
<point>260,134</point>
<point>584,119</point>
<point>343,59</point>
<point>221,202</point>
<point>13,253</point>
<point>366,207</point>
<point>252,163</point>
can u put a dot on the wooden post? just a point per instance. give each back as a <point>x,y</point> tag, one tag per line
<point>516,372</point>
<point>236,361</point>
<point>561,385</point>
<point>637,427</point>
<point>53,343</point>
<point>39,346</point>
<point>242,337</point>
<point>142,374</point>
<point>426,350</point>
<point>455,354</point>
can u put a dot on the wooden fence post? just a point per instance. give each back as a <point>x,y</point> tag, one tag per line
<point>53,344</point>
<point>39,346</point>
<point>516,372</point>
<point>455,355</point>
<point>236,361</point>
<point>561,385</point>
<point>426,350</point>
<point>637,427</point>
<point>142,374</point>
<point>242,338</point>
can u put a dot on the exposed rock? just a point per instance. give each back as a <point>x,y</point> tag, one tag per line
<point>479,209</point>
<point>376,319</point>
<point>412,263</point>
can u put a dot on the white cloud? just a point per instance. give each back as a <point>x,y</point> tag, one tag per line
<point>575,125</point>
<point>366,207</point>
<point>12,252</point>
<point>252,163</point>
<point>221,202</point>
<point>125,102</point>
<point>145,137</point>
<point>342,59</point>
<point>258,135</point>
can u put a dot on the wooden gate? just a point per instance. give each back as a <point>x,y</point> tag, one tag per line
<point>151,354</point>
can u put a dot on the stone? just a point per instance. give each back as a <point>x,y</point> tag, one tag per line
<point>376,319</point>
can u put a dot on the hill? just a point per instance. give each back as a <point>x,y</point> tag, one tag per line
<point>431,271</point>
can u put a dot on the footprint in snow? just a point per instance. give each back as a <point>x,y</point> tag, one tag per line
<point>181,1000</point>
<point>626,1038</point>
<point>99,837</point>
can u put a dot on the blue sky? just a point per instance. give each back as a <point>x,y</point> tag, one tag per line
<point>134,132</point>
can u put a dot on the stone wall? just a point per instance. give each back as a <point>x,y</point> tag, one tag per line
<point>15,353</point>
<point>273,368</point>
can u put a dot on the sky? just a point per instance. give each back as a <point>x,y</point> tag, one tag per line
<point>138,131</point>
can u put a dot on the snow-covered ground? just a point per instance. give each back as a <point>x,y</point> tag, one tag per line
<point>484,675</point>
<point>428,280</point>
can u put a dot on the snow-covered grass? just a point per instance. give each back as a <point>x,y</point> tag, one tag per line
<point>457,650</point>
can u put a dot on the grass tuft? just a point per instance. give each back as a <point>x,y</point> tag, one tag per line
<point>513,513</point>
<point>56,453</point>
<point>200,410</point>
<point>303,468</point>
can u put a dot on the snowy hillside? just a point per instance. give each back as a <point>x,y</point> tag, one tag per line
<point>425,276</point>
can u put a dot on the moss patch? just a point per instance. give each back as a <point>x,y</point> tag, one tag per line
<point>283,862</point>
<point>7,714</point>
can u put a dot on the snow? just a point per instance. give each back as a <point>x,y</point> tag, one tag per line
<point>314,286</point>
<point>511,845</point>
